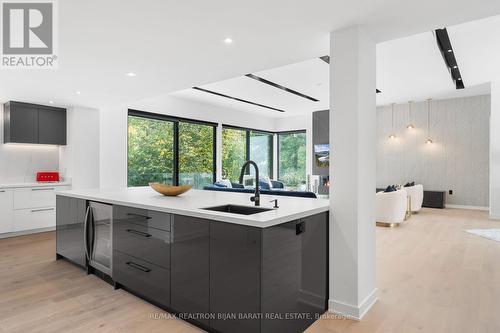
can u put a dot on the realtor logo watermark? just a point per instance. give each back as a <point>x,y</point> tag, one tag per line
<point>29,32</point>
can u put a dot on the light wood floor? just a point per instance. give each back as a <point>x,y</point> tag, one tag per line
<point>432,277</point>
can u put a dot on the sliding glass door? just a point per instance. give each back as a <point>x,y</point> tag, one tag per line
<point>150,151</point>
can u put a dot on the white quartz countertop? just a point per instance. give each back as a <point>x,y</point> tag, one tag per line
<point>192,202</point>
<point>34,184</point>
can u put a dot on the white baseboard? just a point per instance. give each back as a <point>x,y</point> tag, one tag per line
<point>352,311</point>
<point>494,217</point>
<point>467,207</point>
<point>26,232</point>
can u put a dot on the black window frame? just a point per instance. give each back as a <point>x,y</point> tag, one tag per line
<point>176,121</point>
<point>302,131</point>
<point>248,132</point>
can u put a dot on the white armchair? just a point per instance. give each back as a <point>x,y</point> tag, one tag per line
<point>391,208</point>
<point>416,194</point>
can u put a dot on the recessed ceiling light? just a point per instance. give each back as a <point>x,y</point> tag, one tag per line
<point>51,102</point>
<point>450,50</point>
<point>455,67</point>
<point>78,92</point>
<point>131,74</point>
<point>459,79</point>
<point>228,40</point>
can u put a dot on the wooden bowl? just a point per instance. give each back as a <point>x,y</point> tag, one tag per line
<point>170,190</point>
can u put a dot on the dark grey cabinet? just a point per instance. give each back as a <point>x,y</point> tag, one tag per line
<point>51,125</point>
<point>70,219</point>
<point>141,256</point>
<point>34,124</point>
<point>221,276</point>
<point>294,276</point>
<point>235,262</point>
<point>137,233</point>
<point>190,268</point>
<point>149,280</point>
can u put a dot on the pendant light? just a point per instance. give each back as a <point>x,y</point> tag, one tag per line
<point>429,140</point>
<point>392,136</point>
<point>410,125</point>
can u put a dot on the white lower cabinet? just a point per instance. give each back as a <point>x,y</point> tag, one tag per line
<point>36,197</point>
<point>28,219</point>
<point>6,212</point>
<point>28,208</point>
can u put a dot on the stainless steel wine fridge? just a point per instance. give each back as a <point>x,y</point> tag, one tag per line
<point>98,237</point>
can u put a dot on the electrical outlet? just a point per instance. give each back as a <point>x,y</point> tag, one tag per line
<point>450,192</point>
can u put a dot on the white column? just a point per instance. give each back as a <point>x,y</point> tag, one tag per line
<point>495,151</point>
<point>218,149</point>
<point>352,168</point>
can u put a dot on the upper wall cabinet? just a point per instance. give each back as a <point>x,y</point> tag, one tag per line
<point>32,123</point>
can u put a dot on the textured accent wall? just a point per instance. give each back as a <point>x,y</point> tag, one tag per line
<point>458,159</point>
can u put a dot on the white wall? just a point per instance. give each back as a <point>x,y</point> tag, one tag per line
<point>494,152</point>
<point>458,159</point>
<point>113,130</point>
<point>19,163</point>
<point>79,160</point>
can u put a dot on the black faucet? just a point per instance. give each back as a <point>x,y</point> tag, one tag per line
<point>256,197</point>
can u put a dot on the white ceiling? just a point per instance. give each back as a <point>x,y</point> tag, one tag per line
<point>307,77</point>
<point>173,45</point>
<point>409,68</point>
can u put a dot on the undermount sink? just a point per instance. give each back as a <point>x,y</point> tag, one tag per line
<point>237,209</point>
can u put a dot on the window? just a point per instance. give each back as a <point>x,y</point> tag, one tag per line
<point>261,152</point>
<point>240,145</point>
<point>234,152</point>
<point>150,151</point>
<point>196,154</point>
<point>169,150</point>
<point>292,158</point>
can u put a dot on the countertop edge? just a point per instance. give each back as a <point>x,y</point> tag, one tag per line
<point>221,217</point>
<point>27,185</point>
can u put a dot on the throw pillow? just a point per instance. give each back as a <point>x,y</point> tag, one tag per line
<point>390,188</point>
<point>268,181</point>
<point>226,182</point>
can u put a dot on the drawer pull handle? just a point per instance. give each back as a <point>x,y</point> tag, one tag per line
<point>138,215</point>
<point>139,233</point>
<point>43,189</point>
<point>41,210</point>
<point>2,191</point>
<point>139,267</point>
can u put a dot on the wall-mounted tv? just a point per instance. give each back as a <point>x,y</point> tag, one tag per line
<point>322,155</point>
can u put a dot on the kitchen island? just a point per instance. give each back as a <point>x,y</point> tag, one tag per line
<point>223,268</point>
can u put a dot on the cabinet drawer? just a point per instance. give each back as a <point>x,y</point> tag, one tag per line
<point>36,197</point>
<point>143,217</point>
<point>28,219</point>
<point>6,204</point>
<point>149,244</point>
<point>149,280</point>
